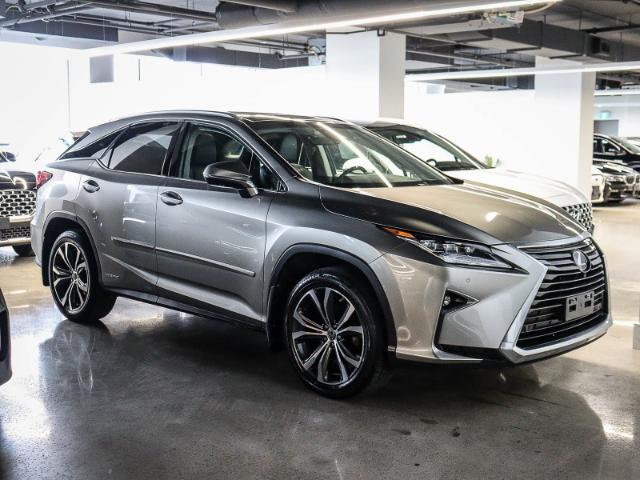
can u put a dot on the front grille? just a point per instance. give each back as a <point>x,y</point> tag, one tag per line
<point>14,203</point>
<point>546,322</point>
<point>15,232</point>
<point>581,213</point>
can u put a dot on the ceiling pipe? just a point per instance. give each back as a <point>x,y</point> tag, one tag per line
<point>156,9</point>
<point>232,15</point>
<point>11,22</point>
<point>288,6</point>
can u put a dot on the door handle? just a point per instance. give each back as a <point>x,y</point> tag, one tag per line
<point>90,186</point>
<point>171,198</point>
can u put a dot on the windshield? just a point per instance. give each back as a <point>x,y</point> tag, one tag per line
<point>342,155</point>
<point>631,145</point>
<point>431,148</point>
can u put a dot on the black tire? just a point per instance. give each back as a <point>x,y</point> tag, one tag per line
<point>334,374</point>
<point>97,303</point>
<point>23,250</point>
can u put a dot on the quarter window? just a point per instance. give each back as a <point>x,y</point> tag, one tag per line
<point>93,150</point>
<point>143,148</point>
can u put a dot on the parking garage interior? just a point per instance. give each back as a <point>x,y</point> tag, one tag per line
<point>531,103</point>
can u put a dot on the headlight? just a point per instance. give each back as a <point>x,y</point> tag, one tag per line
<point>597,179</point>
<point>455,252</point>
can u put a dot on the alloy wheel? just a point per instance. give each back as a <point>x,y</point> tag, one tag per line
<point>70,277</point>
<point>328,337</point>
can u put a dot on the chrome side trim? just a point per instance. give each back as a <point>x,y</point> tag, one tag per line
<point>214,263</point>
<point>134,243</point>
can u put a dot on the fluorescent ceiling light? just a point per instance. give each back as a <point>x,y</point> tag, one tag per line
<point>298,27</point>
<point>519,72</point>
<point>617,92</point>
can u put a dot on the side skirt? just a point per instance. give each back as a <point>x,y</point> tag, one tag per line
<point>220,315</point>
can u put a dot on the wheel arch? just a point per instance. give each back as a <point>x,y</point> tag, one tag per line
<point>288,271</point>
<point>56,223</point>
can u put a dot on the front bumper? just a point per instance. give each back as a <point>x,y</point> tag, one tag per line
<point>15,230</point>
<point>488,326</point>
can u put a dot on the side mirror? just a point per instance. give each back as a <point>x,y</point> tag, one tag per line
<point>233,174</point>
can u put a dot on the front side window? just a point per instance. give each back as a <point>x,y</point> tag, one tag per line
<point>339,154</point>
<point>436,151</point>
<point>143,148</point>
<point>204,146</point>
<point>610,148</point>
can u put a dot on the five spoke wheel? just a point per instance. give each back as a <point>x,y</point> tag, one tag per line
<point>70,277</point>
<point>328,338</point>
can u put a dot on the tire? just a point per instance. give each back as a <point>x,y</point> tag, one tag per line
<point>345,357</point>
<point>74,281</point>
<point>23,250</point>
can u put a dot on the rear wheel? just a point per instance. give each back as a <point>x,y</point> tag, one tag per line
<point>73,278</point>
<point>23,250</point>
<point>333,337</point>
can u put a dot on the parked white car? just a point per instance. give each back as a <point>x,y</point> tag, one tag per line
<point>447,157</point>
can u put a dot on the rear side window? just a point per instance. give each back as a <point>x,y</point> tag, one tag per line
<point>143,148</point>
<point>93,150</point>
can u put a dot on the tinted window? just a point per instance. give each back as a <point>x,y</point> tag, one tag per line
<point>204,146</point>
<point>143,148</point>
<point>93,150</point>
<point>340,154</point>
<point>433,149</point>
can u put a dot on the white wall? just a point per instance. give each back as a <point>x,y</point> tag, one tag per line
<point>624,109</point>
<point>34,106</point>
<point>501,124</point>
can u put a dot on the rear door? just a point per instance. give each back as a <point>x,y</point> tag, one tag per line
<point>210,240</point>
<point>117,201</point>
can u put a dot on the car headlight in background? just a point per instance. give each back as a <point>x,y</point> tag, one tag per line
<point>597,180</point>
<point>455,252</point>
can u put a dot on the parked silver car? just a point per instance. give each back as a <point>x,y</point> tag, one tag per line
<point>345,249</point>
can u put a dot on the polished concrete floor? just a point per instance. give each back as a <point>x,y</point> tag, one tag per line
<point>151,393</point>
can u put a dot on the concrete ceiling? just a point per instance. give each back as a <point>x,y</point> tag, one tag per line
<point>583,30</point>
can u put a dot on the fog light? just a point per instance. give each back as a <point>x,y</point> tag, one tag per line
<point>454,300</point>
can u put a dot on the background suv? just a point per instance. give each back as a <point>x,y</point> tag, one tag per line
<point>17,204</point>
<point>338,244</point>
<point>456,162</point>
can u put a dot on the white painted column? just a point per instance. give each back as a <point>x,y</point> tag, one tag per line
<point>563,138</point>
<point>365,74</point>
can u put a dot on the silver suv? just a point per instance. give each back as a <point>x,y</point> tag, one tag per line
<point>341,246</point>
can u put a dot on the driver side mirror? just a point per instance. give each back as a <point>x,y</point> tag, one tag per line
<point>233,174</point>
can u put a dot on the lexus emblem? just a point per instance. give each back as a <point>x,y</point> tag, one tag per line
<point>581,261</point>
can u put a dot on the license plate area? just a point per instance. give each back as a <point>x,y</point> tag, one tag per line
<point>580,306</point>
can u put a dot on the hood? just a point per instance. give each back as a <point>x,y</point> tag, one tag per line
<point>553,191</point>
<point>613,168</point>
<point>469,212</point>
<point>17,180</point>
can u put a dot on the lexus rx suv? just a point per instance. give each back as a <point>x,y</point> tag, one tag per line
<point>343,248</point>
<point>447,157</point>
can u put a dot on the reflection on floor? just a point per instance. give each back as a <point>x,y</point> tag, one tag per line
<point>151,393</point>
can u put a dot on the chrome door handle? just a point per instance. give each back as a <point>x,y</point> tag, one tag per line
<point>90,186</point>
<point>171,198</point>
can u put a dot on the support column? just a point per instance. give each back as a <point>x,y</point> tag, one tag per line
<point>365,73</point>
<point>563,140</point>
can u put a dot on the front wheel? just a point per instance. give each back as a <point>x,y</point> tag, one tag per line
<point>333,338</point>
<point>73,278</point>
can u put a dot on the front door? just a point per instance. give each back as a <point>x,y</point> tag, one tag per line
<point>211,240</point>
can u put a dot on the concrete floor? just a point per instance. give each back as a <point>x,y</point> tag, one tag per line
<point>151,393</point>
